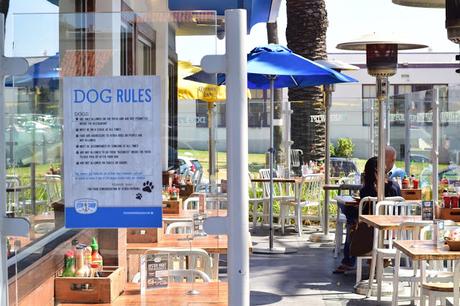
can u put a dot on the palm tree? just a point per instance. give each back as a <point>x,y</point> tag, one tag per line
<point>306,36</point>
<point>272,38</point>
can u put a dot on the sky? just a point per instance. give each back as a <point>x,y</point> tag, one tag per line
<point>348,19</point>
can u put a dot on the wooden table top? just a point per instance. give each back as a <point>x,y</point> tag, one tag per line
<point>187,215</point>
<point>277,180</point>
<point>342,186</point>
<point>384,222</point>
<point>213,293</point>
<point>18,188</point>
<point>216,244</point>
<point>347,200</point>
<point>425,250</point>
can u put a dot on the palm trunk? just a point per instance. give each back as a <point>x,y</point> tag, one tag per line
<point>272,38</point>
<point>4,7</point>
<point>306,36</point>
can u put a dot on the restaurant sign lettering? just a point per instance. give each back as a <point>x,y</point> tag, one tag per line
<point>112,171</point>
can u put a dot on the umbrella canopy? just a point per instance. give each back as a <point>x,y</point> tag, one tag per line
<point>189,90</point>
<point>286,68</point>
<point>41,74</point>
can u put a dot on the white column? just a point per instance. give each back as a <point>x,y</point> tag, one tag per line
<point>237,150</point>
<point>407,103</point>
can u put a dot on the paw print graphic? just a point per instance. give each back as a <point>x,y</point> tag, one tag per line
<point>148,186</point>
<point>138,196</point>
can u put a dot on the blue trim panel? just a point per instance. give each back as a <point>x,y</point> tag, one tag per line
<point>258,10</point>
<point>115,217</point>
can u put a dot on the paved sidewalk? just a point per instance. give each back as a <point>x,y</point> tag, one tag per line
<point>302,278</point>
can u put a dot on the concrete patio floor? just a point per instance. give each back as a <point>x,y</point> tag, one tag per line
<point>302,278</point>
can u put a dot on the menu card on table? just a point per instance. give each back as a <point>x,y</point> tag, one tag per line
<point>427,210</point>
<point>154,271</point>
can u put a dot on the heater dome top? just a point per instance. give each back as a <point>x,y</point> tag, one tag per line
<point>360,43</point>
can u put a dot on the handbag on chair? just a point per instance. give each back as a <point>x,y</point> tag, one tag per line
<point>361,239</point>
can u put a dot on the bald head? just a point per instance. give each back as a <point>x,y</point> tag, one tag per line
<point>390,158</point>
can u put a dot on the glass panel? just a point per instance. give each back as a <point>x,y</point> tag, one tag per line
<point>130,42</point>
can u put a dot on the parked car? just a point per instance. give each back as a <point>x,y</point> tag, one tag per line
<point>418,158</point>
<point>452,174</point>
<point>188,164</point>
<point>343,167</point>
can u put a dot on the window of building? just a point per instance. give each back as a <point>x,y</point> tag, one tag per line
<point>397,98</point>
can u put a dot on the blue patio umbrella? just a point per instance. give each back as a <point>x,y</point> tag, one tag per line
<point>274,66</point>
<point>42,74</point>
<point>278,63</point>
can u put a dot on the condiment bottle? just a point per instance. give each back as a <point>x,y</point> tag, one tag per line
<point>74,246</point>
<point>82,267</point>
<point>415,183</point>
<point>96,258</point>
<point>69,265</point>
<point>411,181</point>
<point>405,183</point>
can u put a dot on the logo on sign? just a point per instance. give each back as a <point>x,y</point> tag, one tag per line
<point>85,206</point>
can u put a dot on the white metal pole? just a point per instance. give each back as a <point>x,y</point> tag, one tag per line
<point>271,156</point>
<point>407,125</point>
<point>3,251</point>
<point>237,150</point>
<point>435,149</point>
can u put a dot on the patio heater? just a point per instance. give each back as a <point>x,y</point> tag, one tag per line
<point>382,61</point>
<point>338,66</point>
<point>452,15</point>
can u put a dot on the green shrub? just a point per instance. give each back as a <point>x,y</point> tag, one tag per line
<point>332,150</point>
<point>344,148</point>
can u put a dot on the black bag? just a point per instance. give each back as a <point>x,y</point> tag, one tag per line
<point>361,240</point>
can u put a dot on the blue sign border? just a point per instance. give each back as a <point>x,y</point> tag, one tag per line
<point>115,217</point>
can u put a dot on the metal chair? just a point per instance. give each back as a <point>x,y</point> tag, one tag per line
<point>186,259</point>
<point>390,206</point>
<point>296,161</point>
<point>256,201</point>
<point>53,188</point>
<point>179,228</point>
<point>308,195</point>
<point>283,195</point>
<point>359,259</point>
<point>12,198</point>
<point>189,276</point>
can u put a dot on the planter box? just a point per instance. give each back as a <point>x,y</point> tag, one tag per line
<point>411,194</point>
<point>89,290</point>
<point>448,214</point>
<point>172,206</point>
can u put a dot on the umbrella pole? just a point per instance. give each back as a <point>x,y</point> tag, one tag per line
<point>270,162</point>
<point>212,148</point>
<point>271,249</point>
